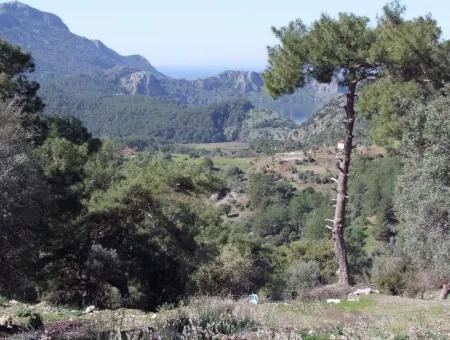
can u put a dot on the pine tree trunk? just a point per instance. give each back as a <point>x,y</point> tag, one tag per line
<point>342,186</point>
<point>445,290</point>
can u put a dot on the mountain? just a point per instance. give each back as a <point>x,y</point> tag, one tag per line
<point>112,93</point>
<point>231,84</point>
<point>55,49</point>
<point>325,126</point>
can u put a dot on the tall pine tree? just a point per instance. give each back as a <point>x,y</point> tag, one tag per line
<point>349,49</point>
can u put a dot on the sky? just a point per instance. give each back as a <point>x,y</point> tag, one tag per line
<point>208,33</point>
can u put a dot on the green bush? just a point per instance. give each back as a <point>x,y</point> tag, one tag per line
<point>229,273</point>
<point>206,163</point>
<point>302,276</point>
<point>3,300</point>
<point>23,312</point>
<point>233,171</point>
<point>390,274</point>
<point>320,251</point>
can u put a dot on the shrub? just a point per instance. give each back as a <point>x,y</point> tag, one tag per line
<point>389,274</point>
<point>206,163</point>
<point>214,322</point>
<point>35,321</point>
<point>229,273</point>
<point>302,276</point>
<point>23,312</point>
<point>181,183</point>
<point>224,209</point>
<point>328,292</point>
<point>320,251</point>
<point>175,325</point>
<point>3,300</point>
<point>233,171</point>
<point>211,318</point>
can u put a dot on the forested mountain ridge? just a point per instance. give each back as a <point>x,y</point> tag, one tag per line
<point>55,49</point>
<point>69,65</point>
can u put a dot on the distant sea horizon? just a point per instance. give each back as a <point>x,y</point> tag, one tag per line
<point>199,72</point>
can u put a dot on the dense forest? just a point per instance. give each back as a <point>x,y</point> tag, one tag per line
<point>82,223</point>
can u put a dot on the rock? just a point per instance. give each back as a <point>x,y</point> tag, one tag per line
<point>6,321</point>
<point>90,309</point>
<point>242,81</point>
<point>12,302</point>
<point>363,292</point>
<point>142,83</point>
<point>335,301</point>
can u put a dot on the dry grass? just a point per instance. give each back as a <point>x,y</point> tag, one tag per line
<point>371,317</point>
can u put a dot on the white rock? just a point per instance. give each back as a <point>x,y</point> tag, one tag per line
<point>5,321</point>
<point>12,302</point>
<point>335,301</point>
<point>153,316</point>
<point>364,291</point>
<point>90,309</point>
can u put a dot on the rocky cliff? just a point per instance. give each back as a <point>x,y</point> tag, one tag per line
<point>55,49</point>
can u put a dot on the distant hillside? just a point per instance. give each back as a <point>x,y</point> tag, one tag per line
<point>55,49</point>
<point>118,95</point>
<point>147,121</point>
<point>325,127</point>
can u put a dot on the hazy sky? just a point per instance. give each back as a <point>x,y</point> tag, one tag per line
<point>210,33</point>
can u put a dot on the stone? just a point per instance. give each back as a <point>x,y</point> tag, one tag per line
<point>363,292</point>
<point>6,321</point>
<point>335,301</point>
<point>142,83</point>
<point>90,309</point>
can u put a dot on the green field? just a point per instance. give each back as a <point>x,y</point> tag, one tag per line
<point>225,147</point>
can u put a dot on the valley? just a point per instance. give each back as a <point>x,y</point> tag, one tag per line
<point>85,78</point>
<point>307,201</point>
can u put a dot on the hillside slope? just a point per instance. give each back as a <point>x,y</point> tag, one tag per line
<point>68,65</point>
<point>125,97</point>
<point>55,49</point>
<point>325,127</point>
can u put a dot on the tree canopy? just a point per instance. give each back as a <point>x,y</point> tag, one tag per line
<point>348,48</point>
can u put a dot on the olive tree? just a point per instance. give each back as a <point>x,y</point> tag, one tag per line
<point>423,191</point>
<point>23,189</point>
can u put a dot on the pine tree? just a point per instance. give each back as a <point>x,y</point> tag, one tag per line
<point>347,48</point>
